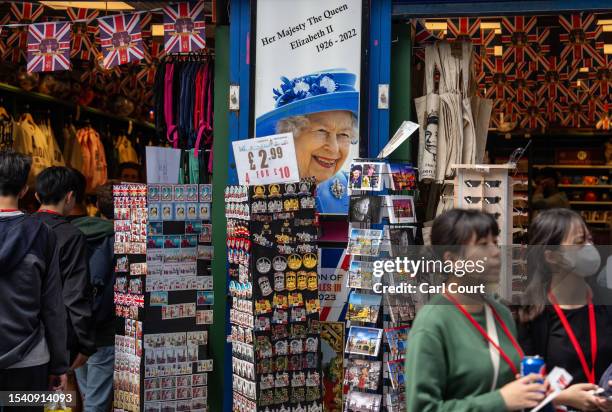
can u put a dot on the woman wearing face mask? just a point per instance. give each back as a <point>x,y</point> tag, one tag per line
<point>561,319</point>
<point>463,355</point>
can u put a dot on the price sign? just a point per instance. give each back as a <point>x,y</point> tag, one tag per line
<point>265,160</point>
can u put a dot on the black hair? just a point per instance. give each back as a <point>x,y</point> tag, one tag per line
<point>14,171</point>
<point>548,173</point>
<point>129,165</point>
<point>104,196</point>
<point>54,183</point>
<point>81,185</point>
<point>455,228</point>
<point>547,232</point>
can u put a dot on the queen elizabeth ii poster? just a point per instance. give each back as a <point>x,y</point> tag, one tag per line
<point>307,83</point>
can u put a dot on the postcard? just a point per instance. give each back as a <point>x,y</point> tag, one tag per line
<point>397,340</point>
<point>365,242</point>
<point>396,373</point>
<point>363,402</point>
<point>363,341</point>
<point>400,209</point>
<point>365,209</point>
<point>403,176</point>
<point>204,297</point>
<point>362,374</point>
<point>363,307</point>
<point>366,176</point>
<point>360,274</point>
<point>158,298</point>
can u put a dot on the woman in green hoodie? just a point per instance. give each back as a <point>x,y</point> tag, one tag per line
<point>463,355</point>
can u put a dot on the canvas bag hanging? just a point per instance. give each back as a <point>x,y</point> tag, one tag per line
<point>450,127</point>
<point>427,108</point>
<point>468,155</point>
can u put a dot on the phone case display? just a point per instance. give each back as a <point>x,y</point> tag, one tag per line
<point>163,292</point>
<point>382,225</point>
<point>489,188</point>
<point>273,257</point>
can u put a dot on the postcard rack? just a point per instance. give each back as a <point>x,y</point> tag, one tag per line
<point>274,315</point>
<point>382,225</point>
<point>163,293</point>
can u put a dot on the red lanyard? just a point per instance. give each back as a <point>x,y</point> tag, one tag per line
<point>590,373</point>
<point>51,212</point>
<point>485,335</point>
<point>8,210</point>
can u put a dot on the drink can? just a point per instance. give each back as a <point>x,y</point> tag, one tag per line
<point>533,364</point>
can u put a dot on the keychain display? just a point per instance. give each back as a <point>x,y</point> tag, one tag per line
<point>273,259</point>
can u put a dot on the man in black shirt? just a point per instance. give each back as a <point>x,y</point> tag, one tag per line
<point>33,325</point>
<point>55,190</point>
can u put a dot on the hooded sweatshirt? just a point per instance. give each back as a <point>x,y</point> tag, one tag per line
<point>76,287</point>
<point>100,236</point>
<point>31,305</point>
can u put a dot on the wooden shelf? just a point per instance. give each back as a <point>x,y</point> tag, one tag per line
<point>588,186</point>
<point>596,203</point>
<point>574,166</point>
<point>86,109</point>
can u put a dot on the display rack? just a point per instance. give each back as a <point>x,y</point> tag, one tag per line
<point>163,293</point>
<point>275,329</point>
<point>382,225</point>
<point>489,188</point>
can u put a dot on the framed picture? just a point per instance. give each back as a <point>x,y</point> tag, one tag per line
<point>363,341</point>
<point>400,209</point>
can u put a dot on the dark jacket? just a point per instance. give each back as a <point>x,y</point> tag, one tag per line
<point>31,290</point>
<point>76,287</point>
<point>100,235</point>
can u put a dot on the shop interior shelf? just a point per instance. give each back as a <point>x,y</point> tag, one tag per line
<point>46,98</point>
<point>587,186</point>
<point>596,203</point>
<point>574,166</point>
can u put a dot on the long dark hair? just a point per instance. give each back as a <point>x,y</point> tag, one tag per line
<point>547,231</point>
<point>455,228</point>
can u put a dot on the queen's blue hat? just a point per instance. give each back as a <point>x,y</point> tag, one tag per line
<point>318,92</point>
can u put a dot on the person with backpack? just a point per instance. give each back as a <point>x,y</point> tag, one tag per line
<point>95,379</point>
<point>33,354</point>
<point>55,188</point>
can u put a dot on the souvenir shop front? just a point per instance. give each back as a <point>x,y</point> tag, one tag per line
<point>245,267</point>
<point>522,88</point>
<point>124,93</point>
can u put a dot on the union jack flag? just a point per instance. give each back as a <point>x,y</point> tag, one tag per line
<point>553,79</point>
<point>575,115</point>
<point>498,84</point>
<point>524,86</point>
<point>601,80</point>
<point>82,29</point>
<point>534,115</point>
<point>184,27</point>
<point>121,39</point>
<point>579,38</point>
<point>48,47</point>
<point>465,28</point>
<point>17,42</point>
<point>518,34</point>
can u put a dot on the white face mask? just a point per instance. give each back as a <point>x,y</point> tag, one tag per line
<point>584,261</point>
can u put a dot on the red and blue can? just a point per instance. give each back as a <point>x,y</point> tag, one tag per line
<point>533,364</point>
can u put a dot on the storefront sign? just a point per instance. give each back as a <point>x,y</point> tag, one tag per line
<point>266,160</point>
<point>308,59</point>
